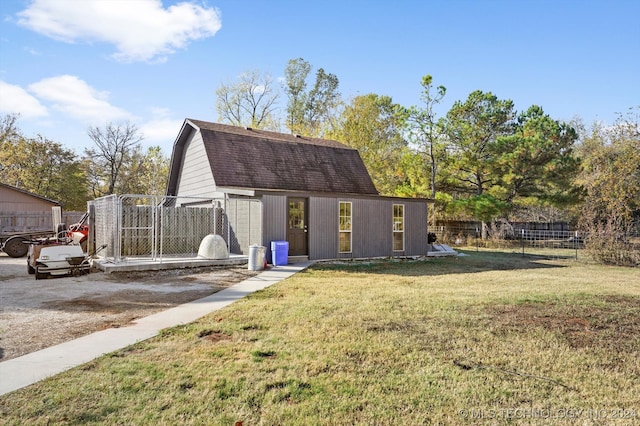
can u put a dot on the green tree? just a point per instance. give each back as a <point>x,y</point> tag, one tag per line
<point>9,130</point>
<point>472,129</point>
<point>611,180</point>
<point>131,179</point>
<point>156,171</point>
<point>250,102</point>
<point>370,124</point>
<point>414,175</point>
<point>296,74</point>
<point>322,103</point>
<point>422,126</point>
<point>537,162</point>
<point>310,112</point>
<point>10,157</point>
<point>41,166</point>
<point>146,172</point>
<point>423,132</point>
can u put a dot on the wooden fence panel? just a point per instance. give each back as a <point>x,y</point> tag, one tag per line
<point>14,222</point>
<point>149,230</point>
<point>183,228</point>
<point>137,231</point>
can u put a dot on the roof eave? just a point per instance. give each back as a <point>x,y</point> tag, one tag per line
<point>177,154</point>
<point>23,191</point>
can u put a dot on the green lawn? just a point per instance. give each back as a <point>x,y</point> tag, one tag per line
<point>487,338</point>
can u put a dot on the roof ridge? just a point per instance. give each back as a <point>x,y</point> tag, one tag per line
<point>270,134</point>
<point>242,158</point>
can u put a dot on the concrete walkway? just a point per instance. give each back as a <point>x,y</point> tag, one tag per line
<point>28,369</point>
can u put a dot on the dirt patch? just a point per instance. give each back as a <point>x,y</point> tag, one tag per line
<point>608,321</point>
<point>36,314</point>
<point>123,301</point>
<point>213,336</point>
<point>207,275</point>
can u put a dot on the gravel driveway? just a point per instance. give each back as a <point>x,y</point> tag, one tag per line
<point>35,314</point>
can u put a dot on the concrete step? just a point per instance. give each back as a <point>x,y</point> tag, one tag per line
<point>297,259</point>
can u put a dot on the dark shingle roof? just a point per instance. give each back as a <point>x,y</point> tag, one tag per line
<point>258,159</point>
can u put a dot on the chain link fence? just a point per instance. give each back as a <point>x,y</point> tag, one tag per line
<point>154,228</point>
<point>535,242</point>
<point>103,222</point>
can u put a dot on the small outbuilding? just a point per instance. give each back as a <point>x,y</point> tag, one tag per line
<point>315,194</point>
<point>22,211</point>
<point>18,200</point>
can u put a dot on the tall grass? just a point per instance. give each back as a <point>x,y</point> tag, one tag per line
<point>486,338</point>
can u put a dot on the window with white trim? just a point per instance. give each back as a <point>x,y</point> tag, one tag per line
<point>344,240</point>
<point>398,227</point>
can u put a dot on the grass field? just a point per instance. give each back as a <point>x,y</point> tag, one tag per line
<point>489,338</point>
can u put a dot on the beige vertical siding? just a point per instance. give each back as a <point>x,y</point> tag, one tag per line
<point>16,201</point>
<point>245,220</point>
<point>323,227</point>
<point>415,228</point>
<point>372,228</point>
<point>274,220</point>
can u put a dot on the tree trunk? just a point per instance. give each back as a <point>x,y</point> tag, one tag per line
<point>485,230</point>
<point>432,216</point>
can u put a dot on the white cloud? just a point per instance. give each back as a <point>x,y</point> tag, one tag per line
<point>16,100</point>
<point>74,97</point>
<point>141,30</point>
<point>164,130</point>
<point>32,51</point>
<point>161,129</point>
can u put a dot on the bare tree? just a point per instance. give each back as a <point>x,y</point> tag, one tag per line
<point>114,144</point>
<point>251,102</point>
<point>310,112</point>
<point>8,127</point>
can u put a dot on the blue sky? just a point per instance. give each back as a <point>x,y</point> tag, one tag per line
<point>69,64</point>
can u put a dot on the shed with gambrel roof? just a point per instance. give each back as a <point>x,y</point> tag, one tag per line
<point>314,193</point>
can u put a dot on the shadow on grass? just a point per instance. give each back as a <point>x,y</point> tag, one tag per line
<point>469,262</point>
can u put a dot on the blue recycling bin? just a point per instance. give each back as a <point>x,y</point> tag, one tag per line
<point>279,252</point>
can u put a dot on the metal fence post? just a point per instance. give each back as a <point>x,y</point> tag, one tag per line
<point>156,229</point>
<point>118,231</point>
